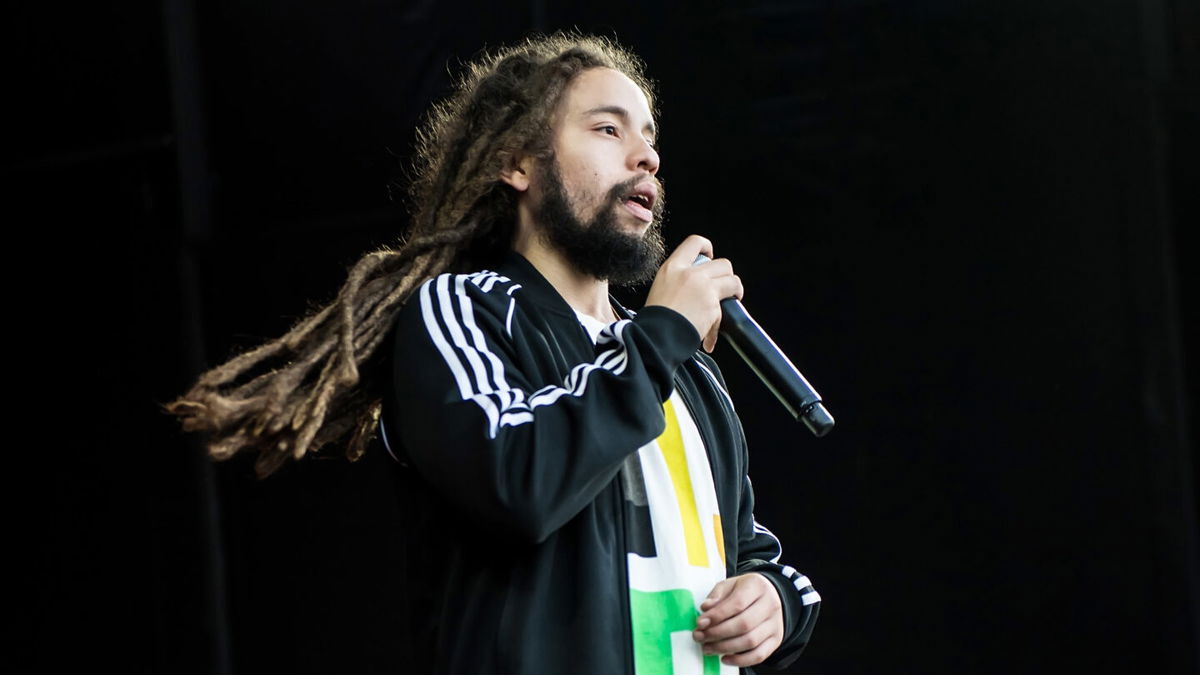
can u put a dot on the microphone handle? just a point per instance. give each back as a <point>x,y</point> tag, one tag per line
<point>773,367</point>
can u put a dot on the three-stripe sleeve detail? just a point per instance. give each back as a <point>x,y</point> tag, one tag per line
<point>448,314</point>
<point>808,595</point>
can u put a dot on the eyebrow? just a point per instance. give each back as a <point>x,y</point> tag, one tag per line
<point>622,113</point>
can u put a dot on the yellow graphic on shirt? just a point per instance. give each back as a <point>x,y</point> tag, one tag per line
<point>720,537</point>
<point>671,444</point>
<point>689,551</point>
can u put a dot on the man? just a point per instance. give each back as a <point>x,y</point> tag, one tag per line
<point>575,474</point>
<point>585,465</point>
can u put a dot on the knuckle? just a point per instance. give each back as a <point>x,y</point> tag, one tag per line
<point>718,626</point>
<point>738,644</point>
<point>745,659</point>
<point>759,653</point>
<point>756,656</point>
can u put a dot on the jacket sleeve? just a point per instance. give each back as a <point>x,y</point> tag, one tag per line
<point>504,448</point>
<point>760,551</point>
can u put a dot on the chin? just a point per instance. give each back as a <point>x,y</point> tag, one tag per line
<point>638,229</point>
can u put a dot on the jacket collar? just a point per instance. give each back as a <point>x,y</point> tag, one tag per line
<point>537,288</point>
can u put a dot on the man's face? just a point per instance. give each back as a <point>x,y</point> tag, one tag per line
<point>597,200</point>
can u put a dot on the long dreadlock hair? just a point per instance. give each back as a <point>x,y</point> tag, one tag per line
<point>328,389</point>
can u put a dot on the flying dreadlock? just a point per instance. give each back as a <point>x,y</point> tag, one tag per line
<point>463,214</point>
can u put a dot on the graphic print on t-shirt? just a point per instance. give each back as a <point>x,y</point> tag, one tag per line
<point>674,543</point>
<point>675,547</point>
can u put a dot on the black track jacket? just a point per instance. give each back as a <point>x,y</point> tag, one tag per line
<point>511,427</point>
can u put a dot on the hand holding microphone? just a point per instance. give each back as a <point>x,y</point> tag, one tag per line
<point>695,292</point>
<point>693,284</point>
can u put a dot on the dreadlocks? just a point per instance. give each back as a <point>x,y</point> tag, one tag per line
<point>463,216</point>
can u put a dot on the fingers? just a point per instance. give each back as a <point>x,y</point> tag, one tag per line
<point>721,267</point>
<point>754,656</point>
<point>731,286</point>
<point>710,340</point>
<point>747,638</point>
<point>750,614</point>
<point>743,619</point>
<point>696,291</point>
<point>732,597</point>
<point>691,247</point>
<point>759,636</point>
<point>728,284</point>
<point>720,590</point>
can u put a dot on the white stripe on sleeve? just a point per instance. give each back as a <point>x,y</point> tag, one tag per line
<point>778,547</point>
<point>478,372</point>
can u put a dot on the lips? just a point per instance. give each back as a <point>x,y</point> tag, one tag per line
<point>640,212</point>
<point>640,201</point>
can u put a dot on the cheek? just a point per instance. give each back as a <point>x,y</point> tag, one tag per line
<point>583,184</point>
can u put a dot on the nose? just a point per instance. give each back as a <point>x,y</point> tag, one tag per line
<point>645,157</point>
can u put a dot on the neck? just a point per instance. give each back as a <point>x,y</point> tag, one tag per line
<point>584,293</point>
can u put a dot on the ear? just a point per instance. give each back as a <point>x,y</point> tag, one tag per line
<point>516,170</point>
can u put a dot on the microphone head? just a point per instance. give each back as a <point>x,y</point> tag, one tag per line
<point>817,419</point>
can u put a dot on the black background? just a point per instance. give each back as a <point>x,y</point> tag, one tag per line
<point>968,223</point>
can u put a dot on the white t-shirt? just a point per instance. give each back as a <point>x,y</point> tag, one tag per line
<point>667,585</point>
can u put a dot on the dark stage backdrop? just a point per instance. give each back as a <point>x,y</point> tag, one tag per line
<point>968,224</point>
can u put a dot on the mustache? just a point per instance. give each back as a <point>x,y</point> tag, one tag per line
<point>618,192</point>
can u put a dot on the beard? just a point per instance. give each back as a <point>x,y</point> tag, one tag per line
<point>598,247</point>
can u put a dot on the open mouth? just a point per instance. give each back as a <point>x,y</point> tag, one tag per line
<point>639,206</point>
<point>641,202</point>
<point>641,199</point>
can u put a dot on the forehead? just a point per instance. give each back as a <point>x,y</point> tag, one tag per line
<point>605,87</point>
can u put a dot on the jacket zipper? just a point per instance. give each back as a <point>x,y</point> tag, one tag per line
<point>623,574</point>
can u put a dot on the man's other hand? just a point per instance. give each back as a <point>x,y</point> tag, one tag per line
<point>695,291</point>
<point>742,618</point>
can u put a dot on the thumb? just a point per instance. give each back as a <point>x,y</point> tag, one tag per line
<point>719,591</point>
<point>710,343</point>
<point>685,254</point>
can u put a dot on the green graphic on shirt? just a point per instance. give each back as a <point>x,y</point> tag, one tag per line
<point>655,616</point>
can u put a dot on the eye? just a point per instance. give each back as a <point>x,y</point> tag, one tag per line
<point>609,129</point>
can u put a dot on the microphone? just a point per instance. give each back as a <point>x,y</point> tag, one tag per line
<point>775,370</point>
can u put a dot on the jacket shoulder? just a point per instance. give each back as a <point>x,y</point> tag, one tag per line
<point>483,283</point>
<point>484,291</point>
